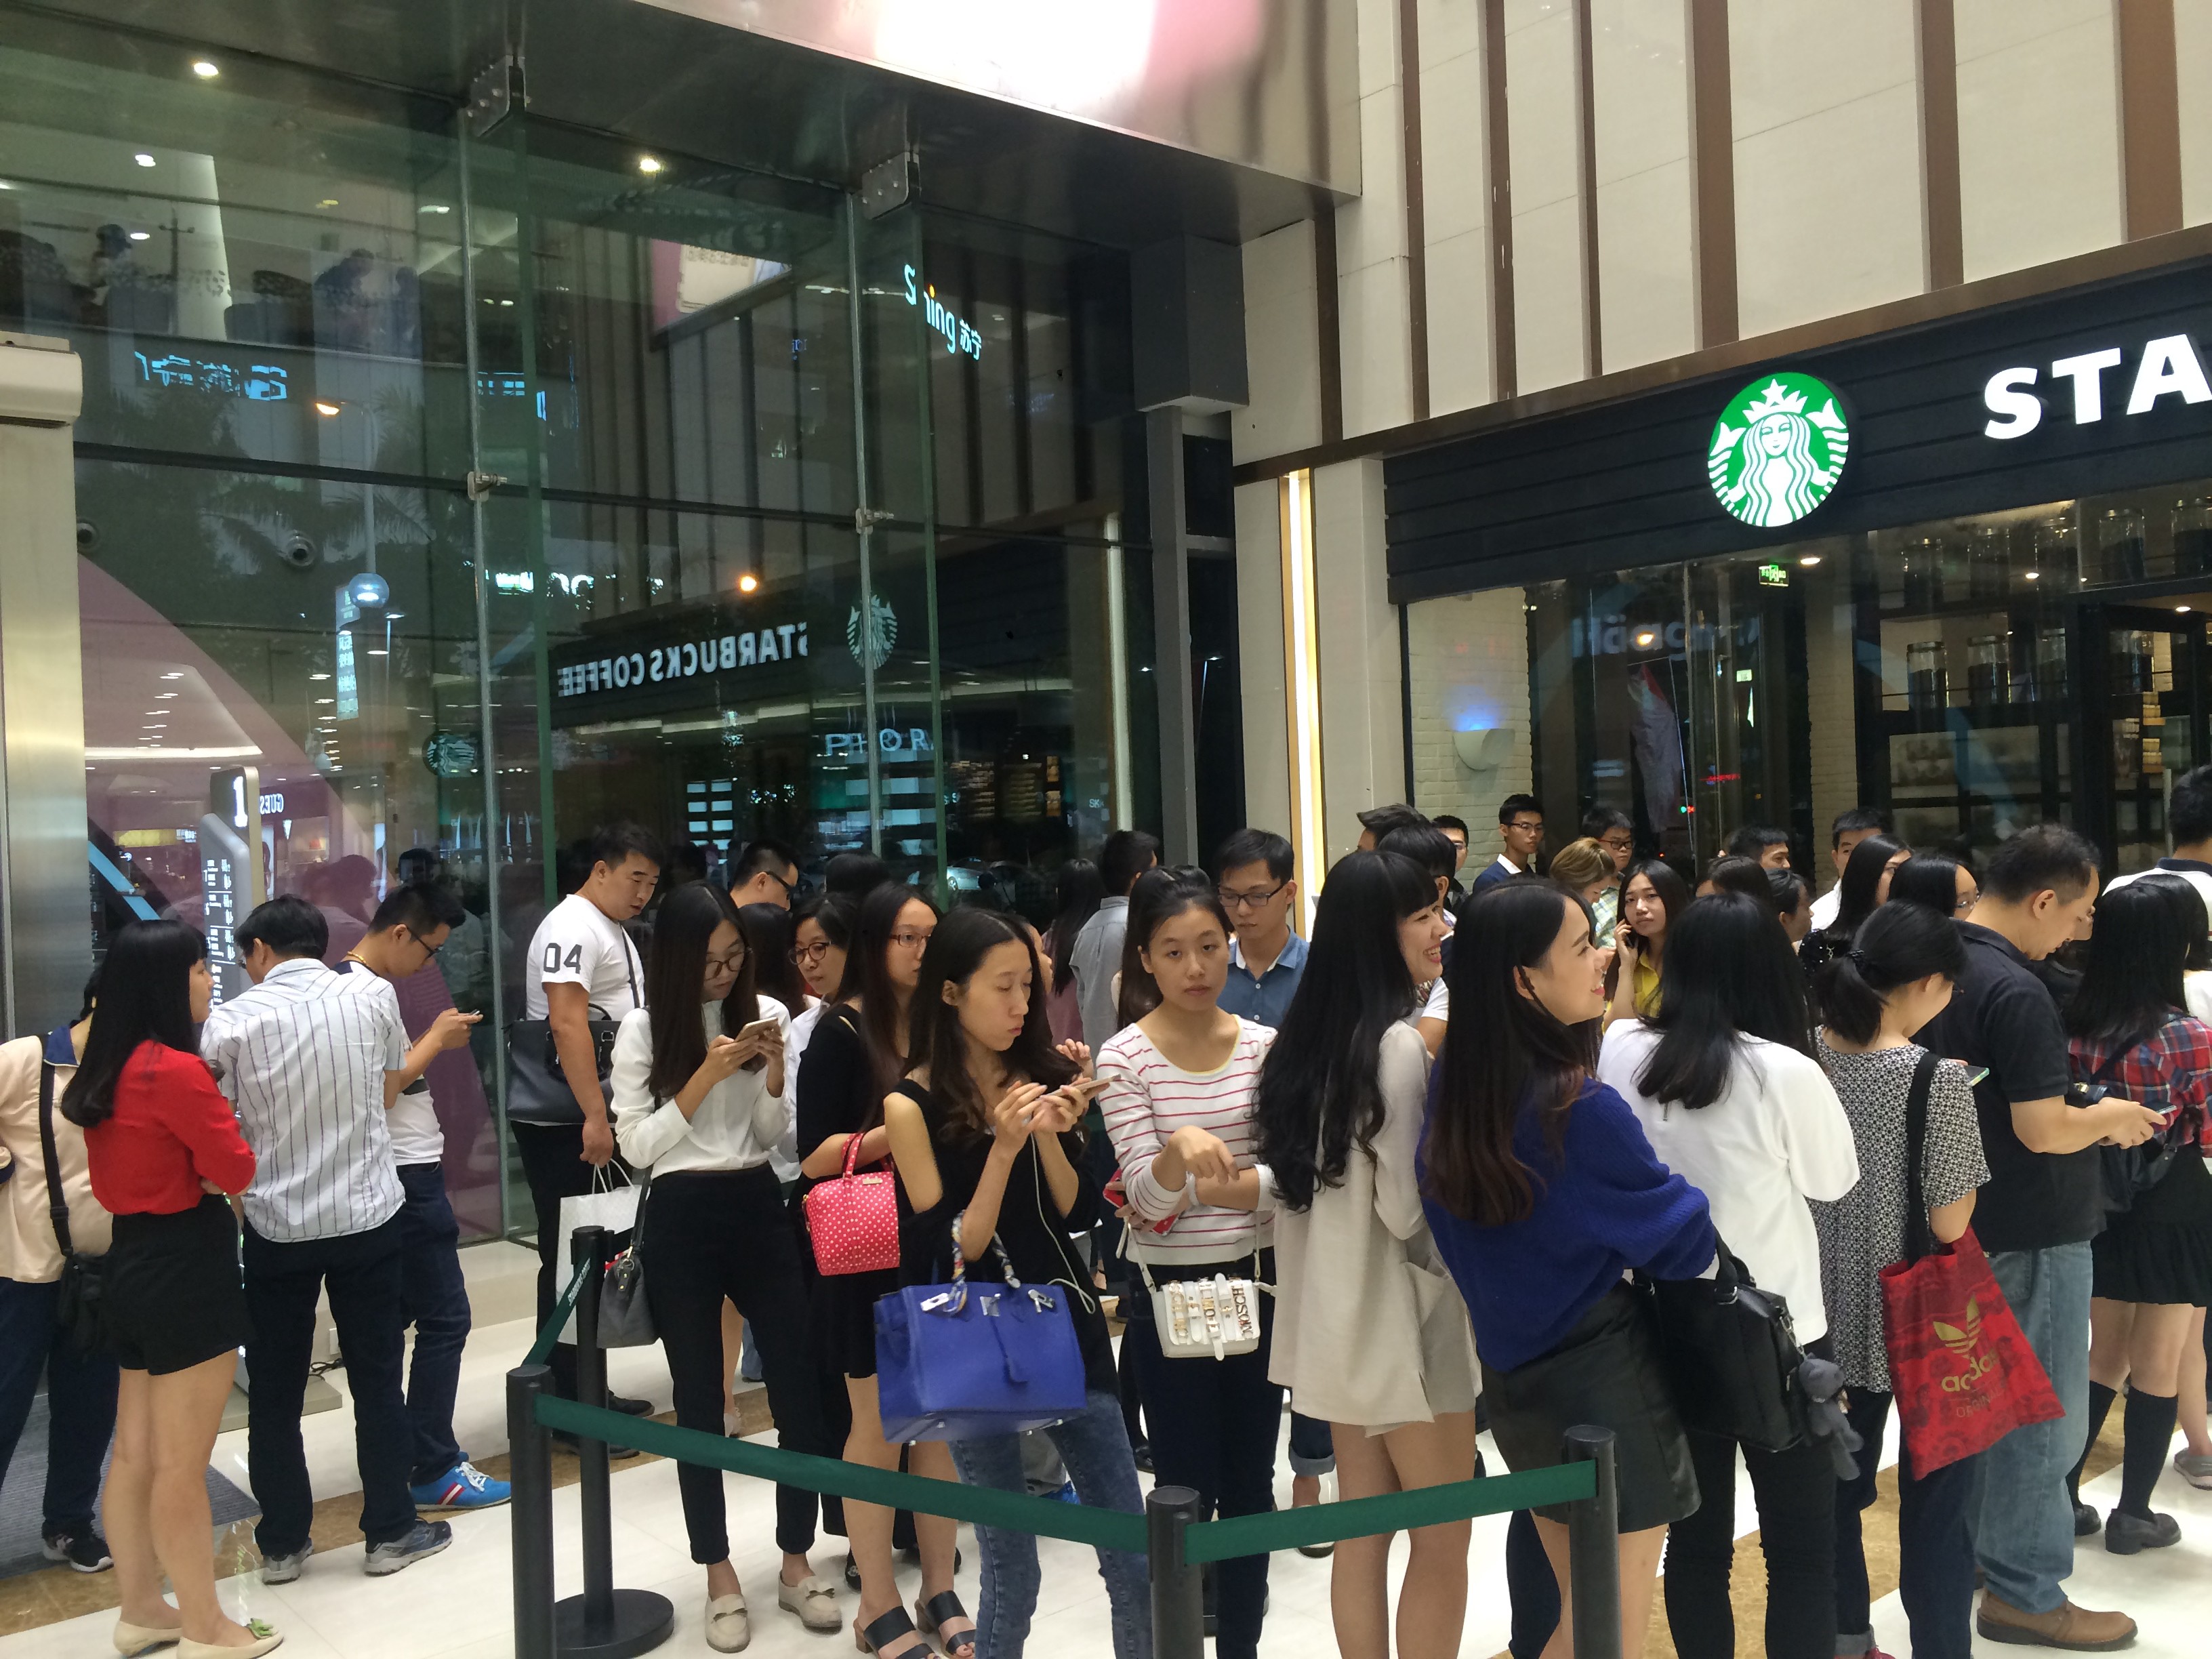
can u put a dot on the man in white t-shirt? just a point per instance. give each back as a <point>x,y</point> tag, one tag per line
<point>1848,829</point>
<point>400,946</point>
<point>580,960</point>
<point>2188,820</point>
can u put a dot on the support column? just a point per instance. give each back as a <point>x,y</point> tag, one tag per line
<point>45,947</point>
<point>1171,634</point>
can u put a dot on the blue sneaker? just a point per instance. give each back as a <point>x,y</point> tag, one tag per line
<point>464,1486</point>
<point>1066,1493</point>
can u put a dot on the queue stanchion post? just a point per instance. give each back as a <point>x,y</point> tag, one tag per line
<point>1178,1596</point>
<point>530,1456</point>
<point>604,1622</point>
<point>1594,1548</point>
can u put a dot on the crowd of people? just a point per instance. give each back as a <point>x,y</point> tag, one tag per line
<point>1449,1145</point>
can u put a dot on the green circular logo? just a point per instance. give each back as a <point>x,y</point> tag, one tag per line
<point>1778,449</point>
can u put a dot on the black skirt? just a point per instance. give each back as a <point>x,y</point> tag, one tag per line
<point>173,1295</point>
<point>1605,1371</point>
<point>2160,1250</point>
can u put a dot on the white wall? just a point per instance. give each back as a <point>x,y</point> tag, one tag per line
<point>1362,693</point>
<point>1261,658</point>
<point>1646,308</point>
<point>1282,336</point>
<point>1469,660</point>
<point>1547,263</point>
<point>1455,204</point>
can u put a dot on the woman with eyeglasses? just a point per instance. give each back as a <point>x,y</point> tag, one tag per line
<point>1944,885</point>
<point>856,1056</point>
<point>698,1083</point>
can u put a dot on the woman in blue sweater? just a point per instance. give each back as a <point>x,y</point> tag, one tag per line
<point>1542,1192</point>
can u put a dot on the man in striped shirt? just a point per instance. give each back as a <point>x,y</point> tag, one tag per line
<point>313,1059</point>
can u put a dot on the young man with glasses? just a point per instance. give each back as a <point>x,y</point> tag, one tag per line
<point>401,948</point>
<point>765,873</point>
<point>1521,827</point>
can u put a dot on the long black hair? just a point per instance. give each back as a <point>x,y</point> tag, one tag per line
<point>1674,893</point>
<point>1158,898</point>
<point>2196,921</point>
<point>1862,881</point>
<point>676,969</point>
<point>967,935</point>
<point>1929,879</point>
<point>1320,1088</point>
<point>1077,894</point>
<point>145,996</point>
<point>1901,944</point>
<point>768,929</point>
<point>867,977</point>
<point>1501,1049</point>
<point>2131,967</point>
<point>1730,974</point>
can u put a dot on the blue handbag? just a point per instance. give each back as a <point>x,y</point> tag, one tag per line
<point>958,1362</point>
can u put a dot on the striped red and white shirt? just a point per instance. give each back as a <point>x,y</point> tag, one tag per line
<point>1145,1100</point>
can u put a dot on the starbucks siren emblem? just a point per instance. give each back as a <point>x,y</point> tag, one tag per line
<point>881,632</point>
<point>1778,450</point>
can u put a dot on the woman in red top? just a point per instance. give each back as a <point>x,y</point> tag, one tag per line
<point>165,1152</point>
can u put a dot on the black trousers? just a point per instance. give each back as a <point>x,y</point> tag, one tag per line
<point>1795,1492</point>
<point>361,1271</point>
<point>553,1164</point>
<point>725,1234</point>
<point>1935,1547</point>
<point>1213,1425</point>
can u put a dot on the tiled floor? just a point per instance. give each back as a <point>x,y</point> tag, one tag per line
<point>455,1604</point>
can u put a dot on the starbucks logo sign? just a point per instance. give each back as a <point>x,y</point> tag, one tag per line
<point>870,641</point>
<point>1778,450</point>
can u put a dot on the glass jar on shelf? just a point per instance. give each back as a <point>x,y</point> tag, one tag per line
<point>1922,561</point>
<point>1988,671</point>
<point>1989,562</point>
<point>1927,688</point>
<point>2050,566</point>
<point>2192,536</point>
<point>2120,553</point>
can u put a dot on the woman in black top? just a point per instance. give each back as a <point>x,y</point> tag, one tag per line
<point>855,1054</point>
<point>983,1132</point>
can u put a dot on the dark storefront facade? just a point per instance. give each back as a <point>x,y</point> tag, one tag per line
<point>1961,572</point>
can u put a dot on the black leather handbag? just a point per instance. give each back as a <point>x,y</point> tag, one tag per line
<point>2126,1173</point>
<point>538,1090</point>
<point>1731,1353</point>
<point>78,1309</point>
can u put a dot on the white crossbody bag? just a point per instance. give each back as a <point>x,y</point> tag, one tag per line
<point>1204,1318</point>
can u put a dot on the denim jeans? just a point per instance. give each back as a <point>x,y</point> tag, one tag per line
<point>1935,1557</point>
<point>1795,1494</point>
<point>434,1300</point>
<point>2024,1537</point>
<point>1313,1448</point>
<point>1096,1450</point>
<point>80,1401</point>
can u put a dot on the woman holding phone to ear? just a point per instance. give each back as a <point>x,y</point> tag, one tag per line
<point>983,1133</point>
<point>1650,899</point>
<point>698,1087</point>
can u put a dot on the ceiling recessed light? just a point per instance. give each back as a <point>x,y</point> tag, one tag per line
<point>1807,560</point>
<point>378,652</point>
<point>325,406</point>
<point>204,69</point>
<point>328,202</point>
<point>172,677</point>
<point>434,207</point>
<point>140,236</point>
<point>2181,610</point>
<point>648,164</point>
<point>2031,575</point>
<point>319,677</point>
<point>163,697</point>
<point>142,159</point>
<point>748,582</point>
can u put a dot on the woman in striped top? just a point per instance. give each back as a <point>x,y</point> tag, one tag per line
<point>1178,1107</point>
<point>1371,1333</point>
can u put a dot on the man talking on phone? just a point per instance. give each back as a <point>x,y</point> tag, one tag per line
<point>2035,1218</point>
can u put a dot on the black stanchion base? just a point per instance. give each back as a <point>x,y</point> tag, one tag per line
<point>642,1622</point>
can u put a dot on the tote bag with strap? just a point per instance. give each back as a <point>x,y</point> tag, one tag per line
<point>853,1218</point>
<point>625,1316</point>
<point>1731,1352</point>
<point>958,1362</point>
<point>1963,1374</point>
<point>537,1090</point>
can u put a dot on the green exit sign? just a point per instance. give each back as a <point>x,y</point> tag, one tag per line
<point>1773,576</point>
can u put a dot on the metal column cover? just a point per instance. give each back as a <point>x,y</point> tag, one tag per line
<point>45,946</point>
<point>1171,639</point>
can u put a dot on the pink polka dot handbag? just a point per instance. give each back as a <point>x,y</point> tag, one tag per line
<point>853,1218</point>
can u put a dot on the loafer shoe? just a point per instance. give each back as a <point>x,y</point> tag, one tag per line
<point>2085,1520</point>
<point>2077,1629</point>
<point>729,1624</point>
<point>2130,1535</point>
<point>814,1598</point>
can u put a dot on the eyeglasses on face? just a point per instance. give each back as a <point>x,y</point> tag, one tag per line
<point>1619,844</point>
<point>429,948</point>
<point>1247,900</point>
<point>733,963</point>
<point>912,941</point>
<point>806,956</point>
<point>1528,826</point>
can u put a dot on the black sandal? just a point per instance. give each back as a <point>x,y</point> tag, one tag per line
<point>931,1615</point>
<point>885,1631</point>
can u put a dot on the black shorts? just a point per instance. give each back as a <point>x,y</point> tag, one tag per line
<point>173,1295</point>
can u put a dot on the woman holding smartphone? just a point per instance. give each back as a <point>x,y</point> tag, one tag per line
<point>855,1057</point>
<point>1650,899</point>
<point>1179,1092</point>
<point>983,1132</point>
<point>698,1084</point>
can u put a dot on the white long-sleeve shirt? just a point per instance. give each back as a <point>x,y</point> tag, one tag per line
<point>735,1126</point>
<point>1145,1100</point>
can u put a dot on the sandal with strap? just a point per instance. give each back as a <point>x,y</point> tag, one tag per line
<point>886,1630</point>
<point>931,1616</point>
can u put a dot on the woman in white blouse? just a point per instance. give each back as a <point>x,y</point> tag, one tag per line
<point>1723,1078</point>
<point>699,1101</point>
<point>1370,1332</point>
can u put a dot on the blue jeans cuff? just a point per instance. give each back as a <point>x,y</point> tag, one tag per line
<point>1312,1468</point>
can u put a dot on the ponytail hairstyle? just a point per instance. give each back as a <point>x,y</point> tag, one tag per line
<point>1901,944</point>
<point>1158,898</point>
<point>1730,974</point>
<point>145,996</point>
<point>1501,1049</point>
<point>1320,1088</point>
<point>936,1039</point>
<point>676,969</point>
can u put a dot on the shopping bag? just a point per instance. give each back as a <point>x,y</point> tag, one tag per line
<point>853,1217</point>
<point>958,1362</point>
<point>1963,1374</point>
<point>612,1204</point>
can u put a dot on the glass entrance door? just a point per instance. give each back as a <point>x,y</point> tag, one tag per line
<point>2144,667</point>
